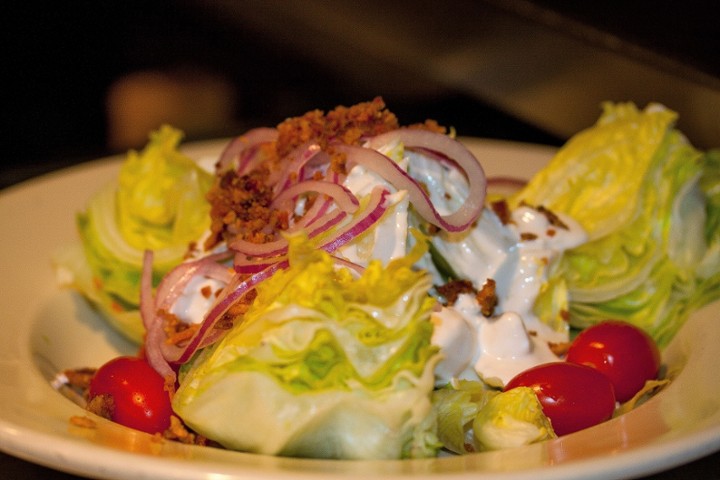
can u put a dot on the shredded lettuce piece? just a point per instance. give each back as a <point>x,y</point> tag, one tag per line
<point>512,419</point>
<point>338,366</point>
<point>456,405</point>
<point>649,202</point>
<point>472,417</point>
<point>158,202</point>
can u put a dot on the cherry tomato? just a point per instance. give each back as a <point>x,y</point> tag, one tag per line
<point>573,396</point>
<point>620,350</point>
<point>140,400</point>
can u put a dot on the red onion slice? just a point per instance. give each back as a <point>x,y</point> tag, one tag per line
<point>373,211</point>
<point>207,334</point>
<point>341,195</point>
<point>248,251</point>
<point>155,335</point>
<point>456,152</point>
<point>299,166</point>
<point>244,148</point>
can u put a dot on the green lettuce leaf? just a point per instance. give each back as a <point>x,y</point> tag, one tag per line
<point>511,419</point>
<point>456,405</point>
<point>158,203</point>
<point>338,366</point>
<point>648,200</point>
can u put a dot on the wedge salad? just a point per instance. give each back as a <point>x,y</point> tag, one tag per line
<point>341,286</point>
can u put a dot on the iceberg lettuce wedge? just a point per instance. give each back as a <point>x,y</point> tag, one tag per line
<point>648,200</point>
<point>158,203</point>
<point>338,367</point>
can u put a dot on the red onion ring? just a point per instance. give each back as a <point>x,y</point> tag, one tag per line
<point>247,251</point>
<point>155,336</point>
<point>298,166</point>
<point>372,212</point>
<point>207,334</point>
<point>244,148</point>
<point>472,207</point>
<point>341,195</point>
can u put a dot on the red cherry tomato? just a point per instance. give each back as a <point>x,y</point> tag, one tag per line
<point>573,396</point>
<point>140,400</point>
<point>622,351</point>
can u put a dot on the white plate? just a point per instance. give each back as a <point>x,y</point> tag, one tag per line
<point>44,328</point>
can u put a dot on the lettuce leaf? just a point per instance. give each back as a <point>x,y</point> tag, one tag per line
<point>338,366</point>
<point>158,203</point>
<point>456,405</point>
<point>511,419</point>
<point>648,200</point>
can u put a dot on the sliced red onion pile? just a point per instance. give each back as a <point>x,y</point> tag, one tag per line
<point>318,203</point>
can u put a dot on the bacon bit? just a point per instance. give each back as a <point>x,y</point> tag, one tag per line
<point>487,298</point>
<point>346,124</point>
<point>225,323</point>
<point>206,291</point>
<point>502,210</point>
<point>102,405</point>
<point>82,422</point>
<point>240,206</point>
<point>79,378</point>
<point>550,232</point>
<point>176,331</point>
<point>178,432</point>
<point>432,229</point>
<point>183,335</point>
<point>431,125</point>
<point>452,290</point>
<point>560,348</point>
<point>527,236</point>
<point>171,323</point>
<point>169,385</point>
<point>552,218</point>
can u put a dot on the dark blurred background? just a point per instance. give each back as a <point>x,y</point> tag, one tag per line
<point>84,79</point>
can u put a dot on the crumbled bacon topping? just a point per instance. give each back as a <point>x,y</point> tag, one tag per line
<point>348,125</point>
<point>487,298</point>
<point>552,217</point>
<point>102,405</point>
<point>502,210</point>
<point>453,289</point>
<point>560,349</point>
<point>241,205</point>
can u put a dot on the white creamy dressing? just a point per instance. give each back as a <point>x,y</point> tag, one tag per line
<point>517,257</point>
<point>192,305</point>
<point>474,347</point>
<point>514,339</point>
<point>388,240</point>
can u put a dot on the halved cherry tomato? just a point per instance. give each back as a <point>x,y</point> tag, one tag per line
<point>139,398</point>
<point>625,353</point>
<point>573,396</point>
